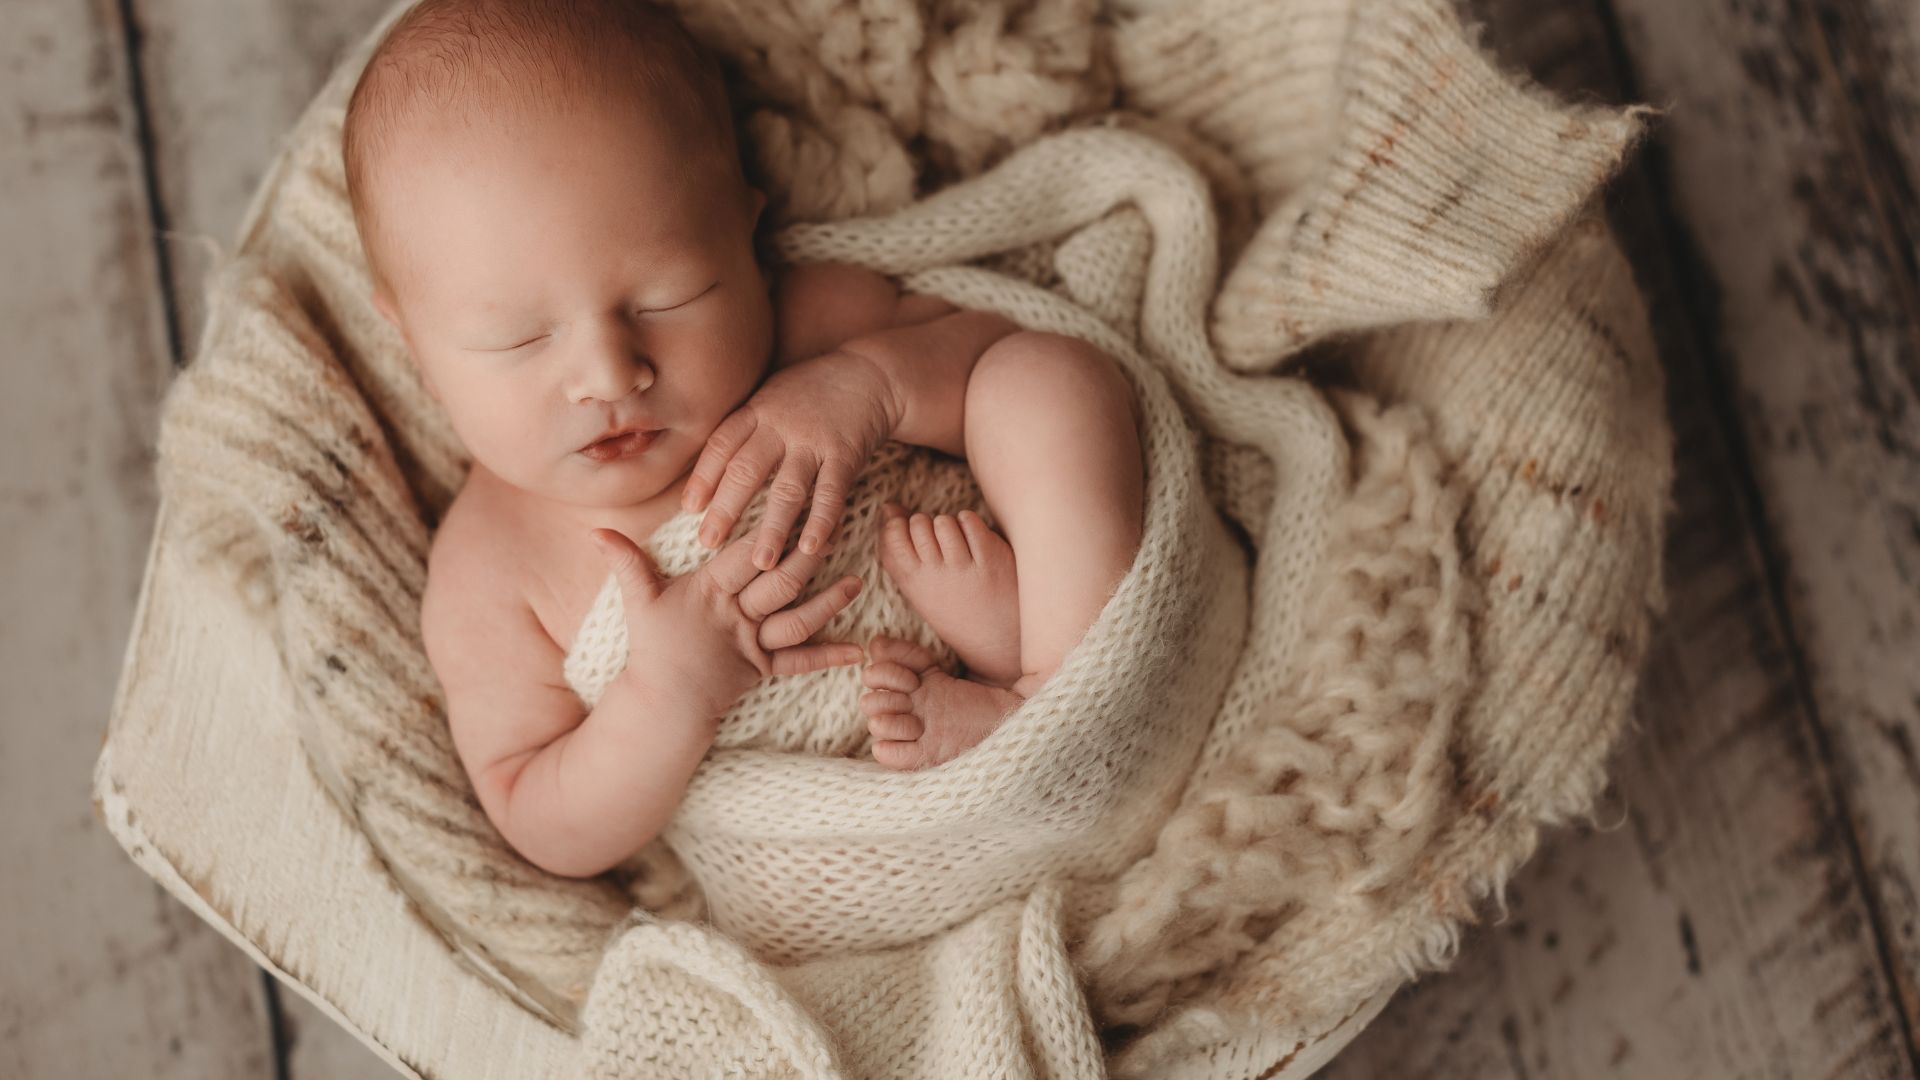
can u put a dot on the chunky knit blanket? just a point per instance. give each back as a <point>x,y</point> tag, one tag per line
<point>1407,467</point>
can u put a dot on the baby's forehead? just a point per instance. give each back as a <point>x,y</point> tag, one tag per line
<point>462,56</point>
<point>475,69</point>
<point>481,128</point>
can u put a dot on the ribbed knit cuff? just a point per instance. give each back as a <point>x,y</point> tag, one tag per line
<point>1444,175</point>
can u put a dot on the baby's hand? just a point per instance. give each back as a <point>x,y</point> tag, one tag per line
<point>716,631</point>
<point>818,422</point>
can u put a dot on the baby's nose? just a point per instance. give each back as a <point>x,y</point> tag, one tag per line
<point>612,378</point>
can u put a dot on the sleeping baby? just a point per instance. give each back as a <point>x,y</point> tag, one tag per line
<point>554,212</point>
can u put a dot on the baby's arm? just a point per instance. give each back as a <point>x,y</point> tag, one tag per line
<point>572,791</point>
<point>923,347</point>
<point>928,364</point>
<point>894,367</point>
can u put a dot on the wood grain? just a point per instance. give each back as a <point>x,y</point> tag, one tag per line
<point>1716,925</point>
<point>1793,150</point>
<point>226,82</point>
<point>104,975</point>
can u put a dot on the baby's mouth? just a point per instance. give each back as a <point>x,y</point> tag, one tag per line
<point>615,447</point>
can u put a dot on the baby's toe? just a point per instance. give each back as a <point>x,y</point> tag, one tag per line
<point>953,542</point>
<point>974,528</point>
<point>876,703</point>
<point>924,540</point>
<point>984,542</point>
<point>905,755</point>
<point>888,675</point>
<point>896,727</point>
<point>912,655</point>
<point>897,553</point>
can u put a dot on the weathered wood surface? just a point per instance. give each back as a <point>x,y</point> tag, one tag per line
<point>1795,153</point>
<point>226,81</point>
<point>1718,926</point>
<point>104,975</point>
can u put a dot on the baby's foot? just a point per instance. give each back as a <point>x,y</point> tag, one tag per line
<point>959,575</point>
<point>921,716</point>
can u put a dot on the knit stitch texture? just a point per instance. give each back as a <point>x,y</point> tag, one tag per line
<point>1385,621</point>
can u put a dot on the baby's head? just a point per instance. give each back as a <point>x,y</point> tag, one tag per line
<point>552,205</point>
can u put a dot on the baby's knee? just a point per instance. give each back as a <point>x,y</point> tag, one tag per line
<point>1042,373</point>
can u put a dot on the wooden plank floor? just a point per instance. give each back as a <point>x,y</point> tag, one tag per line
<point>103,974</point>
<point>1748,903</point>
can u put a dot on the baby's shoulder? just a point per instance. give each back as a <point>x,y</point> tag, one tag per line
<point>476,569</point>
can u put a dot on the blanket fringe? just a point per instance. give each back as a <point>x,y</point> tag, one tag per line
<point>1337,796</point>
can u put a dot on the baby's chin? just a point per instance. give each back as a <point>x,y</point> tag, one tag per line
<point>612,487</point>
<point>617,484</point>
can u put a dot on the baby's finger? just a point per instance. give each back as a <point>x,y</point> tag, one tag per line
<point>797,624</point>
<point>829,502</point>
<point>801,659</point>
<point>776,588</point>
<point>784,501</point>
<point>638,576</point>
<point>738,484</point>
<point>726,441</point>
<point>731,568</point>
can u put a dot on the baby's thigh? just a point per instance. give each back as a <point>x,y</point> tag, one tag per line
<point>1051,431</point>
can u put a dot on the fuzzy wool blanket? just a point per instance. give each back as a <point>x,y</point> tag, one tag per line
<point>1406,468</point>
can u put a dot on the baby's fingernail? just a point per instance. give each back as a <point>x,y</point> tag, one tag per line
<point>763,559</point>
<point>809,546</point>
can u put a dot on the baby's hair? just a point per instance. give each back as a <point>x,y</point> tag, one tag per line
<point>461,58</point>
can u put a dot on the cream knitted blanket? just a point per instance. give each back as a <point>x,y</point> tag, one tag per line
<point>1363,653</point>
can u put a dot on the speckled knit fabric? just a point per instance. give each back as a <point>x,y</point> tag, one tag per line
<point>1375,636</point>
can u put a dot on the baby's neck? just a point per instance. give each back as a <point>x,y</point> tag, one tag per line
<point>569,524</point>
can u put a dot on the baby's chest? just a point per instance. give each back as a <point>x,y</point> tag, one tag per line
<point>561,589</point>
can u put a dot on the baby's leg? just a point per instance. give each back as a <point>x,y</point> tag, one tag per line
<point>1052,437</point>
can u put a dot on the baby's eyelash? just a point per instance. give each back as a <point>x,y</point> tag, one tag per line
<point>643,311</point>
<point>682,303</point>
